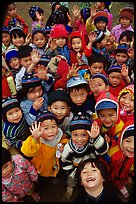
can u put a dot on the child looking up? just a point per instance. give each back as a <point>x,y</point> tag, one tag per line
<point>18,178</point>
<point>42,144</point>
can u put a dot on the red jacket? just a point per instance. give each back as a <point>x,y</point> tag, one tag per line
<point>5,88</point>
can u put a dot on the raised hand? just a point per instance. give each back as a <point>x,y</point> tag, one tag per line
<point>95,130</point>
<point>35,56</point>
<point>38,103</point>
<point>41,72</point>
<point>36,130</point>
<point>73,71</point>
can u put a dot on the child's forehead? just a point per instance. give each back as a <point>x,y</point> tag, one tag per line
<point>107,110</point>
<point>48,121</point>
<point>59,103</point>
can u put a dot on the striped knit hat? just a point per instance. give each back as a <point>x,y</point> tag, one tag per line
<point>29,81</point>
<point>11,53</point>
<point>114,68</point>
<point>46,115</point>
<point>101,16</point>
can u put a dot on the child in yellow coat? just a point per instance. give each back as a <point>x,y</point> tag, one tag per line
<point>46,141</point>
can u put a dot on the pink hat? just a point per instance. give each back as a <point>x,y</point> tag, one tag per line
<point>58,31</point>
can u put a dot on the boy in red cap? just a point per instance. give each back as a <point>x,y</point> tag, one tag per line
<point>125,20</point>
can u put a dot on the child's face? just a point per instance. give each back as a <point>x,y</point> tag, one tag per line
<point>39,40</point>
<point>60,42</point>
<point>91,177</point>
<point>108,116</point>
<point>14,63</point>
<point>101,25</point>
<point>128,146</point>
<point>50,129</point>
<point>18,41</point>
<point>121,58</point>
<point>11,10</point>
<point>78,97</point>
<point>14,115</point>
<point>76,44</point>
<point>6,39</point>
<point>59,108</point>
<point>35,93</point>
<point>96,68</point>
<point>124,40</point>
<point>7,169</point>
<point>125,22</point>
<point>127,102</point>
<point>103,43</point>
<point>80,137</point>
<point>98,86</point>
<point>115,78</point>
<point>26,61</point>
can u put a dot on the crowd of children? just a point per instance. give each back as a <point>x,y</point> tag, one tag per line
<point>68,102</point>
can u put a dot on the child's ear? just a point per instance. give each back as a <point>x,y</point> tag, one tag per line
<point>107,89</point>
<point>49,108</point>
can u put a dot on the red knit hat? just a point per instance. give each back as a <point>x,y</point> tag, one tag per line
<point>126,12</point>
<point>101,16</point>
<point>79,34</point>
<point>58,31</point>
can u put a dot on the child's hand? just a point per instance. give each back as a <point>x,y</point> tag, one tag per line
<point>35,130</point>
<point>124,192</point>
<point>53,45</point>
<point>92,37</point>
<point>41,72</point>
<point>35,56</point>
<point>28,38</point>
<point>38,15</point>
<point>38,103</point>
<point>107,138</point>
<point>75,11</point>
<point>124,70</point>
<point>93,11</point>
<point>73,71</point>
<point>95,130</point>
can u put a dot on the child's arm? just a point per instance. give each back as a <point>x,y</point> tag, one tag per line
<point>124,73</point>
<point>100,143</point>
<point>89,22</point>
<point>88,49</point>
<point>8,196</point>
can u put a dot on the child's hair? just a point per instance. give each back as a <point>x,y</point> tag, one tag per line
<point>95,163</point>
<point>6,156</point>
<point>85,14</point>
<point>58,17</point>
<point>32,12</point>
<point>97,57</point>
<point>38,30</point>
<point>24,51</point>
<point>17,31</point>
<point>58,95</point>
<point>77,83</point>
<point>99,37</point>
<point>65,11</point>
<point>128,34</point>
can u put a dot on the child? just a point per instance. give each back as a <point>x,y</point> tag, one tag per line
<point>36,14</point>
<point>13,61</point>
<point>105,6</point>
<point>121,165</point>
<point>14,126</point>
<point>39,41</point>
<point>6,41</point>
<point>126,37</point>
<point>5,73</point>
<point>13,19</point>
<point>59,104</point>
<point>81,101</point>
<point>118,78</point>
<point>58,44</point>
<point>34,92</point>
<point>126,103</point>
<point>42,144</point>
<point>107,110</point>
<point>28,59</point>
<point>92,177</point>
<point>18,178</point>
<point>125,20</point>
<point>85,142</point>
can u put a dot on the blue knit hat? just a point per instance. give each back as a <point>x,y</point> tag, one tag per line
<point>80,121</point>
<point>114,68</point>
<point>10,54</point>
<point>123,48</point>
<point>5,29</point>
<point>29,81</point>
<point>46,115</point>
<point>102,76</point>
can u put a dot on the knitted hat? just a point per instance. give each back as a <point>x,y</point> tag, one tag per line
<point>33,9</point>
<point>15,28</point>
<point>85,13</point>
<point>102,76</point>
<point>46,115</point>
<point>7,104</point>
<point>75,81</point>
<point>29,81</point>
<point>44,60</point>
<point>58,95</point>
<point>80,121</point>
<point>10,54</point>
<point>38,29</point>
<point>5,29</point>
<point>6,156</point>
<point>123,48</point>
<point>101,16</point>
<point>114,68</point>
<point>126,12</point>
<point>58,31</point>
<point>57,17</point>
<point>127,89</point>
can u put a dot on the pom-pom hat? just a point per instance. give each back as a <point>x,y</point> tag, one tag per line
<point>127,13</point>
<point>58,95</point>
<point>29,81</point>
<point>58,31</point>
<point>127,89</point>
<point>80,121</point>
<point>46,115</point>
<point>101,16</point>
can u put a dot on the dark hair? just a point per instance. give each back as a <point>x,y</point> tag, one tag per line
<point>17,32</point>
<point>54,5</point>
<point>24,51</point>
<point>94,44</point>
<point>95,162</point>
<point>97,57</point>
<point>38,31</point>
<point>64,10</point>
<point>128,34</point>
<point>6,156</point>
<point>80,86</point>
